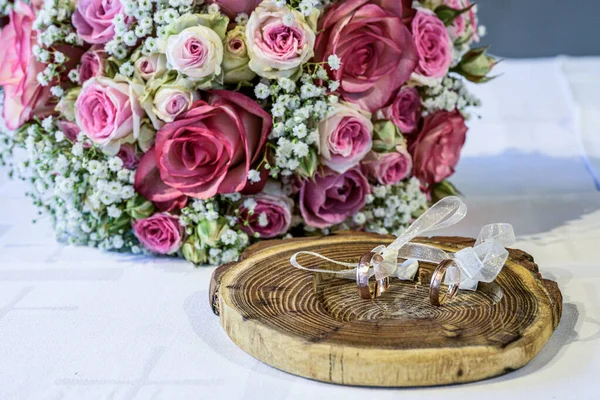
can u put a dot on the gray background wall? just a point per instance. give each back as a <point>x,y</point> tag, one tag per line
<point>541,28</point>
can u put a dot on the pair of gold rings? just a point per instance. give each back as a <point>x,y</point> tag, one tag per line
<point>367,291</point>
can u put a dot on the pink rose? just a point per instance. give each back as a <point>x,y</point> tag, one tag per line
<point>107,111</point>
<point>152,66</point>
<point>232,8</point>
<point>433,45</point>
<point>329,198</point>
<point>160,233</point>
<point>24,97</point>
<point>465,23</point>
<point>345,137</point>
<point>128,154</point>
<point>387,168</point>
<point>92,64</point>
<point>93,19</point>
<point>272,215</point>
<point>405,111</point>
<point>206,151</point>
<point>376,50</point>
<point>436,149</point>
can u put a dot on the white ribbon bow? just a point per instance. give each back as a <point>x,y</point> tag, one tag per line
<point>480,263</point>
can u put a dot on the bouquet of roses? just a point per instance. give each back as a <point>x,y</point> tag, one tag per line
<point>194,128</point>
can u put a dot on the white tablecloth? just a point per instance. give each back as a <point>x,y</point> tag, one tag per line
<point>76,323</point>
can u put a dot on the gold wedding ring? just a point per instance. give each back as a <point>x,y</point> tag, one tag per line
<point>365,290</point>
<point>436,282</point>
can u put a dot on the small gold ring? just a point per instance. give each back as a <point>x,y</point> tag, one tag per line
<point>362,277</point>
<point>436,282</point>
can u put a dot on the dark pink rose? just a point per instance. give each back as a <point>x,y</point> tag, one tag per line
<point>329,198</point>
<point>405,111</point>
<point>129,155</point>
<point>93,19</point>
<point>345,137</point>
<point>387,168</point>
<point>272,215</point>
<point>376,50</point>
<point>206,151</point>
<point>160,233</point>
<point>436,149</point>
<point>232,8</point>
<point>24,97</point>
<point>92,64</point>
<point>433,45</point>
<point>70,129</point>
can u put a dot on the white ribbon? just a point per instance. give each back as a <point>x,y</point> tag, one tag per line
<point>480,263</point>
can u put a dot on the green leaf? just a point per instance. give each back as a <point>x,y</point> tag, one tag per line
<point>443,189</point>
<point>448,14</point>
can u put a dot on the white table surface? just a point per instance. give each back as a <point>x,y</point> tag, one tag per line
<point>76,323</point>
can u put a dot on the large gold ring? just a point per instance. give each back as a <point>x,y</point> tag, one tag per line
<point>365,291</point>
<point>436,282</point>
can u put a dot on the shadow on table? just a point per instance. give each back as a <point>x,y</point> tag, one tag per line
<point>574,314</point>
<point>261,378</point>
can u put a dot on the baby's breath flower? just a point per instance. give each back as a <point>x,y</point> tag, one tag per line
<point>334,62</point>
<point>127,69</point>
<point>253,176</point>
<point>261,91</point>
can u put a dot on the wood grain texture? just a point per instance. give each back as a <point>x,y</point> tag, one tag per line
<point>316,326</point>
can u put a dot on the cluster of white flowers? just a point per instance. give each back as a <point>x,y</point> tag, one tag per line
<point>84,192</point>
<point>306,7</point>
<point>213,233</point>
<point>450,94</point>
<point>297,108</point>
<point>53,23</point>
<point>6,136</point>
<point>146,20</point>
<point>391,209</point>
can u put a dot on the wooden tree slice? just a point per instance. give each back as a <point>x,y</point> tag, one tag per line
<point>315,325</point>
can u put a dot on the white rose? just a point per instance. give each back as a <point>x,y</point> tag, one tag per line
<point>279,41</point>
<point>150,67</point>
<point>196,52</point>
<point>171,102</point>
<point>345,136</point>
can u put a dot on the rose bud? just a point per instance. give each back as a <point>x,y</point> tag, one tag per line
<point>171,101</point>
<point>235,57</point>
<point>386,136</point>
<point>475,65</point>
<point>92,64</point>
<point>192,252</point>
<point>151,67</point>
